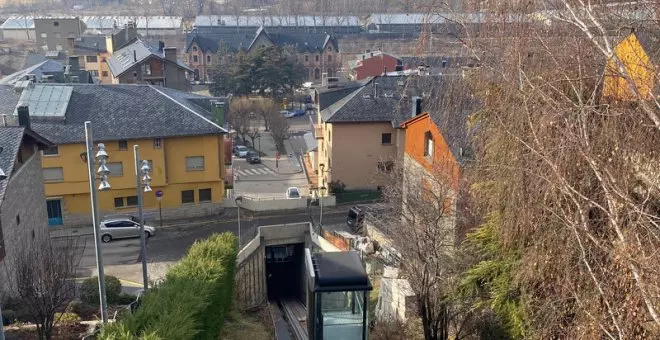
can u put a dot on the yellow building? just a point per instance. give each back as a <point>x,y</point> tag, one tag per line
<point>175,131</point>
<point>638,54</point>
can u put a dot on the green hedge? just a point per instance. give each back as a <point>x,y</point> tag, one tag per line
<point>193,300</point>
<point>89,290</point>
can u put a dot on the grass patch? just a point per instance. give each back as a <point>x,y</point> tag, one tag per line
<point>242,325</point>
<point>373,297</point>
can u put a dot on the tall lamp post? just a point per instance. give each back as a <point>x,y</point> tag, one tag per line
<point>103,173</point>
<point>142,171</point>
<point>238,201</point>
<point>322,191</point>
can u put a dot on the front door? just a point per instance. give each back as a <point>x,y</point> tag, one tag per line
<point>54,208</point>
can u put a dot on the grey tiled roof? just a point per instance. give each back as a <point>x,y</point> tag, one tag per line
<point>8,99</point>
<point>90,44</point>
<point>331,95</point>
<point>387,105</point>
<point>47,67</point>
<point>133,54</point>
<point>127,111</point>
<point>209,41</point>
<point>10,141</point>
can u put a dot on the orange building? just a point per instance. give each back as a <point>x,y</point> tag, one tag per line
<point>437,143</point>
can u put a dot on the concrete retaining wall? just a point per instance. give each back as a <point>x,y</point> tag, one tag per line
<point>270,204</point>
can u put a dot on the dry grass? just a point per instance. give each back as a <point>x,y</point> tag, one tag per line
<point>248,325</point>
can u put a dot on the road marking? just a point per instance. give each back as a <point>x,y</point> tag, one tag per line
<point>262,171</point>
<point>123,282</point>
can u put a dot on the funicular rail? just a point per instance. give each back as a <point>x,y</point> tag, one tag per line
<point>296,316</point>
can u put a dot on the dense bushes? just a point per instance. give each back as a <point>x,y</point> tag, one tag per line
<point>89,291</point>
<point>193,300</point>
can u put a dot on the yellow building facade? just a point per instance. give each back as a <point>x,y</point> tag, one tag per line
<point>188,170</point>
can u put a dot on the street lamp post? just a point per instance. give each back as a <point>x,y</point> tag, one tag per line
<point>259,139</point>
<point>142,171</point>
<point>103,172</point>
<point>322,192</point>
<point>238,201</point>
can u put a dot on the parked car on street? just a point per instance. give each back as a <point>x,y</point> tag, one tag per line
<point>252,157</point>
<point>118,227</point>
<point>241,150</point>
<point>292,193</point>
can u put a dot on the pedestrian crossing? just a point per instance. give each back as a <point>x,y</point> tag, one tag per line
<point>258,171</point>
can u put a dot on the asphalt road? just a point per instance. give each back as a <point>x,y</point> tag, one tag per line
<point>172,244</point>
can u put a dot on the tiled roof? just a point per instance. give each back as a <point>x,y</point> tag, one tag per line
<point>142,22</point>
<point>126,111</point>
<point>379,100</point>
<point>47,67</point>
<point>90,45</point>
<point>18,23</point>
<point>331,95</point>
<point>133,54</point>
<point>209,41</point>
<point>9,97</point>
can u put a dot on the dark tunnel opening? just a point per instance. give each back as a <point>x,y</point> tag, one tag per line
<point>284,271</point>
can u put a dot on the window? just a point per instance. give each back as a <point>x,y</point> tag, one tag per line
<point>104,73</point>
<point>119,202</point>
<point>386,138</point>
<point>103,60</point>
<point>195,163</point>
<point>58,47</point>
<point>52,151</point>
<point>329,58</point>
<point>158,143</point>
<point>208,59</point>
<point>131,201</point>
<point>194,48</point>
<point>91,59</point>
<point>123,145</point>
<point>18,219</point>
<point>187,196</point>
<point>195,59</point>
<point>306,58</point>
<point>44,35</point>
<point>94,73</point>
<point>116,169</point>
<point>146,69</point>
<point>205,195</point>
<point>385,166</point>
<point>317,57</point>
<point>330,48</point>
<point>56,23</point>
<point>428,145</point>
<point>53,174</point>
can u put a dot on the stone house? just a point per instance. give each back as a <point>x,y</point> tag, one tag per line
<point>23,216</point>
<point>318,52</point>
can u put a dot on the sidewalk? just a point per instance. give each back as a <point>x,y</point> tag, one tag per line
<point>285,165</point>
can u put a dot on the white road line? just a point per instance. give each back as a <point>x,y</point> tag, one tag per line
<point>261,171</point>
<point>253,171</point>
<point>243,173</point>
<point>268,170</point>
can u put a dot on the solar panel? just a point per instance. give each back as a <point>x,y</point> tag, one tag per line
<point>46,100</point>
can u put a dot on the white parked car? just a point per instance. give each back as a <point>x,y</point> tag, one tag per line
<point>292,193</point>
<point>119,227</point>
<point>241,150</point>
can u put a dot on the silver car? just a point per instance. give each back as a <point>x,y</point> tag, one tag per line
<point>119,227</point>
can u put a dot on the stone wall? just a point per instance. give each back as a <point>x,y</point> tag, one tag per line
<point>23,214</point>
<point>151,216</point>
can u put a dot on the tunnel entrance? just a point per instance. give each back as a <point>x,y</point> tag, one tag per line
<point>285,268</point>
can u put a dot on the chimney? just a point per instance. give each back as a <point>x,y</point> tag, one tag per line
<point>416,106</point>
<point>74,62</point>
<point>170,54</point>
<point>135,55</point>
<point>23,116</point>
<point>161,46</point>
<point>70,44</point>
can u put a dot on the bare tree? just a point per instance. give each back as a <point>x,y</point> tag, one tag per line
<point>279,129</point>
<point>253,131</point>
<point>421,225</point>
<point>239,116</point>
<point>266,108</point>
<point>569,175</point>
<point>41,275</point>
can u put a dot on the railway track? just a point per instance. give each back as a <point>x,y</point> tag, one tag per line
<point>296,316</point>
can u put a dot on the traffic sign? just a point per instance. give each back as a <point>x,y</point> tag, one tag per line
<point>159,194</point>
<point>277,156</point>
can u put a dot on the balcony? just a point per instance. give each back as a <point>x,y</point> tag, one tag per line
<point>318,131</point>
